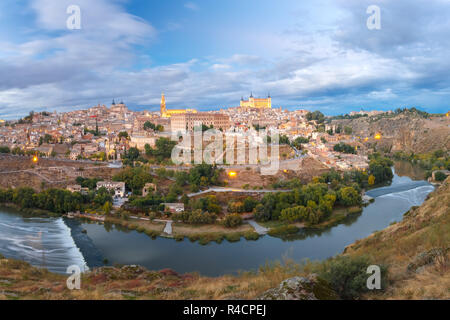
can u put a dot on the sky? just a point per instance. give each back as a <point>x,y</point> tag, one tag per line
<point>204,54</point>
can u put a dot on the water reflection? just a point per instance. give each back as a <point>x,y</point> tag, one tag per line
<point>407,169</point>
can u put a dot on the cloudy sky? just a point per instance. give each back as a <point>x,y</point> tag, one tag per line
<point>207,54</point>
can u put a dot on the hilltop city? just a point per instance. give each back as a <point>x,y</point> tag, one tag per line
<point>106,133</point>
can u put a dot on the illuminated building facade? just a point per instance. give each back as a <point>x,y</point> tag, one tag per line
<point>165,113</point>
<point>257,103</point>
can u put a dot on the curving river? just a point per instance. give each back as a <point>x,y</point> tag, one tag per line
<point>57,243</point>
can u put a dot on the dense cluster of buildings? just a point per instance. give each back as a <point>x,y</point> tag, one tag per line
<point>103,133</point>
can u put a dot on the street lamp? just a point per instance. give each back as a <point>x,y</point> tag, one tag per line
<point>232,174</point>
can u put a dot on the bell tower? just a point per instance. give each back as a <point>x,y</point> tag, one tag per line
<point>163,106</point>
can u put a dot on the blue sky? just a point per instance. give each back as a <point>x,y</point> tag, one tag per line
<point>207,54</point>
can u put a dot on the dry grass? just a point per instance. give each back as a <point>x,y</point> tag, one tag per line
<point>421,230</point>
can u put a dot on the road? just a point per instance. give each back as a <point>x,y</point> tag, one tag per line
<point>237,190</point>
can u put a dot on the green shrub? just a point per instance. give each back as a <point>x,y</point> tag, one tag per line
<point>178,237</point>
<point>206,238</point>
<point>152,233</point>
<point>440,176</point>
<point>233,237</point>
<point>251,235</point>
<point>194,237</point>
<point>232,220</point>
<point>348,275</point>
<point>283,230</point>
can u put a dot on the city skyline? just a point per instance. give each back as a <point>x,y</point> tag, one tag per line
<point>207,56</point>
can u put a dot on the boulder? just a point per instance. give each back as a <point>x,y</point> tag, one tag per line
<point>427,258</point>
<point>301,288</point>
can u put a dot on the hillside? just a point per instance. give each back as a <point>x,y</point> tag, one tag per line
<point>406,132</point>
<point>416,250</point>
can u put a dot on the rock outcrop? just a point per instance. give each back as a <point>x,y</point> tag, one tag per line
<point>405,132</point>
<point>427,258</point>
<point>301,288</point>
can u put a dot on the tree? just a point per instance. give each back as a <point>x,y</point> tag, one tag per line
<point>439,153</point>
<point>232,220</point>
<point>133,154</point>
<point>163,149</point>
<point>344,148</point>
<point>261,213</point>
<point>4,149</point>
<point>102,197</point>
<point>107,207</point>
<point>299,141</point>
<point>440,176</point>
<point>316,115</point>
<point>134,178</point>
<point>148,125</point>
<point>249,204</point>
<point>284,140</point>
<point>348,196</point>
<point>371,180</point>
<point>380,168</point>
<point>123,134</point>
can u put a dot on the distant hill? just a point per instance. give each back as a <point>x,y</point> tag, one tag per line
<point>407,131</point>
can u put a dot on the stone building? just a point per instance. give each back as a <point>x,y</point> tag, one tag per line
<point>187,121</point>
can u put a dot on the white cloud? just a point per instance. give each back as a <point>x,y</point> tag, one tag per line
<point>192,6</point>
<point>62,69</point>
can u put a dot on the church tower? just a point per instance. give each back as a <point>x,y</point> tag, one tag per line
<point>163,106</point>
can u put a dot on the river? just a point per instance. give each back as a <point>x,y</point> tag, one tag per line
<point>57,243</point>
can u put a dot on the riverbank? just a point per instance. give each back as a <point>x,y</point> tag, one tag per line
<point>204,234</point>
<point>29,211</point>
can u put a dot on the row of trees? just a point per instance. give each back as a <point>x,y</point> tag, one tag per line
<point>135,178</point>
<point>151,126</point>
<point>202,175</point>
<point>318,116</point>
<point>162,150</point>
<point>344,148</point>
<point>311,203</point>
<point>247,205</point>
<point>196,217</point>
<point>437,160</point>
<point>18,151</point>
<point>55,200</point>
<point>379,172</point>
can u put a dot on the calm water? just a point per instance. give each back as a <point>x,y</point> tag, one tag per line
<point>130,247</point>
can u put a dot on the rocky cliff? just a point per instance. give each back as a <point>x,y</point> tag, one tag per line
<point>404,132</point>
